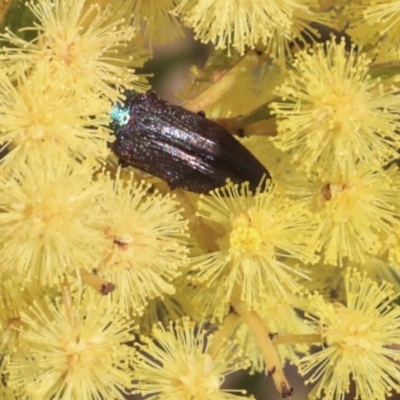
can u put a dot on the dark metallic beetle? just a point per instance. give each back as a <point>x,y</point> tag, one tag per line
<point>185,149</point>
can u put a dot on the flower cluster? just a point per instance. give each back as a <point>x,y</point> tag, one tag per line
<point>113,283</point>
<point>361,341</point>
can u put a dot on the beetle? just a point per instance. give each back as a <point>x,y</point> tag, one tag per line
<point>185,149</point>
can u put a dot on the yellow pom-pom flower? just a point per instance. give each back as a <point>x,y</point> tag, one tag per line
<point>80,43</point>
<point>50,221</point>
<point>375,23</point>
<point>356,214</point>
<point>361,342</point>
<point>77,350</point>
<point>334,115</point>
<point>257,235</point>
<point>250,24</point>
<point>174,364</point>
<point>34,114</point>
<point>146,242</point>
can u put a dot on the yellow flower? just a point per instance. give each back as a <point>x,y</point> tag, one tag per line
<point>155,19</point>
<point>249,24</point>
<point>77,350</point>
<point>258,234</point>
<point>36,113</point>
<point>80,43</point>
<point>175,365</point>
<point>375,23</point>
<point>50,220</point>
<point>333,115</point>
<point>361,342</point>
<point>355,214</point>
<point>146,242</point>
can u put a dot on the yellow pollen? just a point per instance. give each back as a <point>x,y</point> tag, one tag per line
<point>337,105</point>
<point>198,382</point>
<point>240,221</point>
<point>44,212</point>
<point>243,238</point>
<point>34,132</point>
<point>353,334</point>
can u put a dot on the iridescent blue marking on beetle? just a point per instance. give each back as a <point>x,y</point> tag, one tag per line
<point>185,149</point>
<point>120,115</point>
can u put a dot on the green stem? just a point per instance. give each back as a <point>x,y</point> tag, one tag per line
<point>99,284</point>
<point>263,336</point>
<point>385,69</point>
<point>297,339</point>
<point>223,334</point>
<point>67,300</point>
